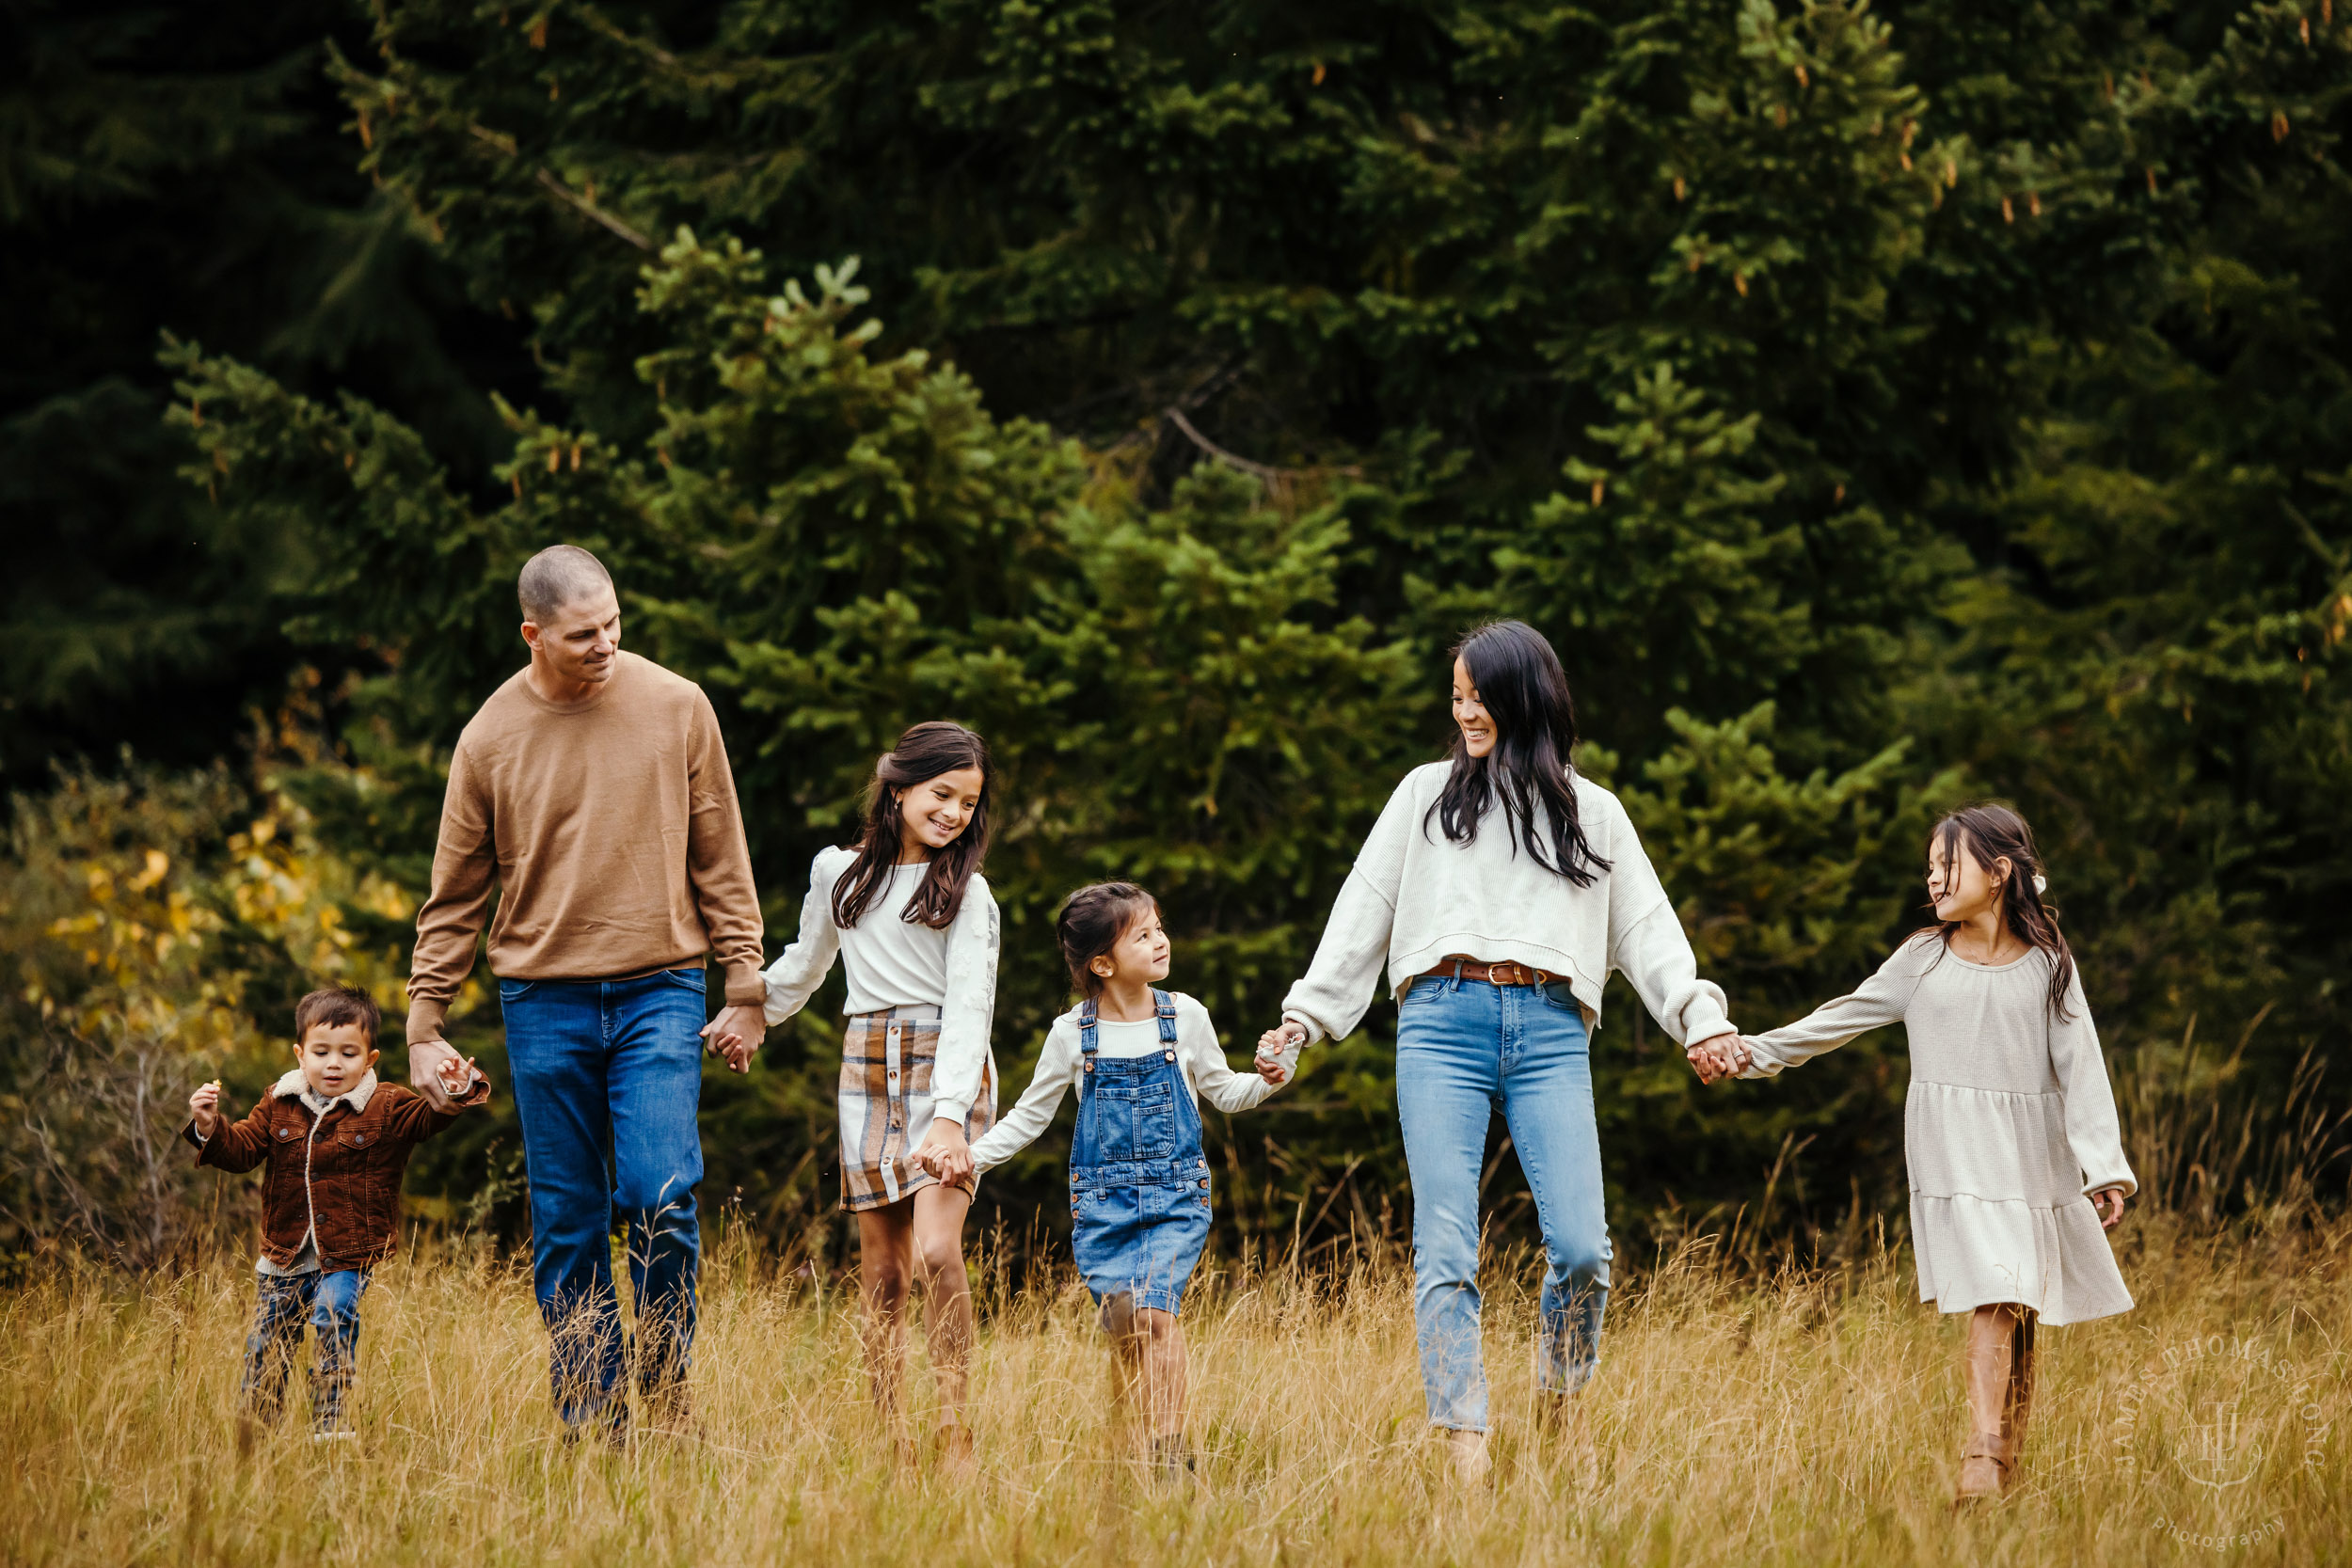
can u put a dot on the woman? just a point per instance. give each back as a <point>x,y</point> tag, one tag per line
<point>1499,889</point>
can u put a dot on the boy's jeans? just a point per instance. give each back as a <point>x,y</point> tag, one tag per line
<point>608,1075</point>
<point>331,1303</point>
<point>1465,1049</point>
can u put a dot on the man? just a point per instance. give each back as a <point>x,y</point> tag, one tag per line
<point>593,790</point>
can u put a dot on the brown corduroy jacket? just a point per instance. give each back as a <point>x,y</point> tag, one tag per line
<point>337,1171</point>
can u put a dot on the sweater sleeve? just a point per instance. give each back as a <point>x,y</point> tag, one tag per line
<point>1203,1061</point>
<point>1057,1065</point>
<point>464,864</point>
<point>1331,1000</point>
<point>959,1076</point>
<point>1647,945</point>
<point>1881,1000</point>
<point>718,861</point>
<point>795,975</point>
<point>2092,1132</point>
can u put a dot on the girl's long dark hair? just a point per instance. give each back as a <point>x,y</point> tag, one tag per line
<point>1989,833</point>
<point>923,754</point>
<point>1518,680</point>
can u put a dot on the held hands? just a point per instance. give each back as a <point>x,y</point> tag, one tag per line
<point>2108,1203</point>
<point>457,1077</point>
<point>204,1106</point>
<point>736,1034</point>
<point>1719,1057</point>
<point>1274,1045</point>
<point>430,1064</point>
<point>945,1154</point>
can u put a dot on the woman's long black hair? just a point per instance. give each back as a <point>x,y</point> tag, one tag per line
<point>1989,833</point>
<point>923,754</point>
<point>1519,682</point>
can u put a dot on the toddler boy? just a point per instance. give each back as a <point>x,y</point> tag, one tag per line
<point>336,1143</point>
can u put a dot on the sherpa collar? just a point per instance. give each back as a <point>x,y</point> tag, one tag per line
<point>292,1086</point>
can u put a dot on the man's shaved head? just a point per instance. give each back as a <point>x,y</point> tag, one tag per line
<point>558,576</point>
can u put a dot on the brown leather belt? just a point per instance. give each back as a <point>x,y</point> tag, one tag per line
<point>1494,975</point>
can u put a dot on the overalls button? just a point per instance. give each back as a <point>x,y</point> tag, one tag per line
<point>1204,1181</point>
<point>1169,1054</point>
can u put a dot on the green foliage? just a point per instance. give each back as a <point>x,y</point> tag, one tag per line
<point>837,543</point>
<point>179,168</point>
<point>155,931</point>
<point>1876,406</point>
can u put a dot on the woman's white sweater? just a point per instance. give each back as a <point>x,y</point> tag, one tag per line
<point>1415,897</point>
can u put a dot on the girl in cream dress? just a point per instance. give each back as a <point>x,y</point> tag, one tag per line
<point>2009,1130</point>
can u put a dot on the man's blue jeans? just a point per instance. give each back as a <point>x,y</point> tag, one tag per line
<point>1465,1049</point>
<point>608,1074</point>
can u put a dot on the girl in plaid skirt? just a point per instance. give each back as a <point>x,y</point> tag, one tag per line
<point>908,912</point>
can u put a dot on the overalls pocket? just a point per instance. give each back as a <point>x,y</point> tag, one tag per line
<point>1136,1123</point>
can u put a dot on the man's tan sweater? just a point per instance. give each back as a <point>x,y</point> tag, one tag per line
<point>611,825</point>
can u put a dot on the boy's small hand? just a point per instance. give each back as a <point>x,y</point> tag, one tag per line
<point>204,1106</point>
<point>458,1078</point>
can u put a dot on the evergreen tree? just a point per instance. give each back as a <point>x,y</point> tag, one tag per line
<point>1874,406</point>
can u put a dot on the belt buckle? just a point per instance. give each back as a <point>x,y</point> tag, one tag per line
<point>1519,975</point>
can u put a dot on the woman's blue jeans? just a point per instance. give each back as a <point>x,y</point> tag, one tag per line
<point>608,1077</point>
<point>1465,1050</point>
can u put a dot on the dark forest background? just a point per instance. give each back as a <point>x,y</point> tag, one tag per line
<point>1879,407</point>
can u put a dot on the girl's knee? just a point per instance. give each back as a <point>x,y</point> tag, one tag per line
<point>885,1281</point>
<point>939,1257</point>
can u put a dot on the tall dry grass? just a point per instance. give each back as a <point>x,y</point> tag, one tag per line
<point>1804,1416</point>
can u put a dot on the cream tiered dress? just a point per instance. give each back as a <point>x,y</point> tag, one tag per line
<point>2009,1125</point>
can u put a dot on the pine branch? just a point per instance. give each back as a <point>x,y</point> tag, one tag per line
<point>589,207</point>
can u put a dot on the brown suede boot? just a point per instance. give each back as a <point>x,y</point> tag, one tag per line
<point>2017,1405</point>
<point>1984,1471</point>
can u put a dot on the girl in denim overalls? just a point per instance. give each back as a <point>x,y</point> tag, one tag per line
<point>1138,1179</point>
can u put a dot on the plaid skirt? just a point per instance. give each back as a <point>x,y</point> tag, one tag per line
<point>885,1099</point>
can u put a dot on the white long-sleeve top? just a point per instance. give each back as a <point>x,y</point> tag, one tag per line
<point>2008,1125</point>
<point>893,962</point>
<point>1415,897</point>
<point>1198,1055</point>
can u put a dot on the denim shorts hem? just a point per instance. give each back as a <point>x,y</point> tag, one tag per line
<point>1155,1298</point>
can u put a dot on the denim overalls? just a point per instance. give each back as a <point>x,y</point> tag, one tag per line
<point>1138,1182</point>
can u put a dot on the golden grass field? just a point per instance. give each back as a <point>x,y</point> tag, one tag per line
<point>1806,1417</point>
